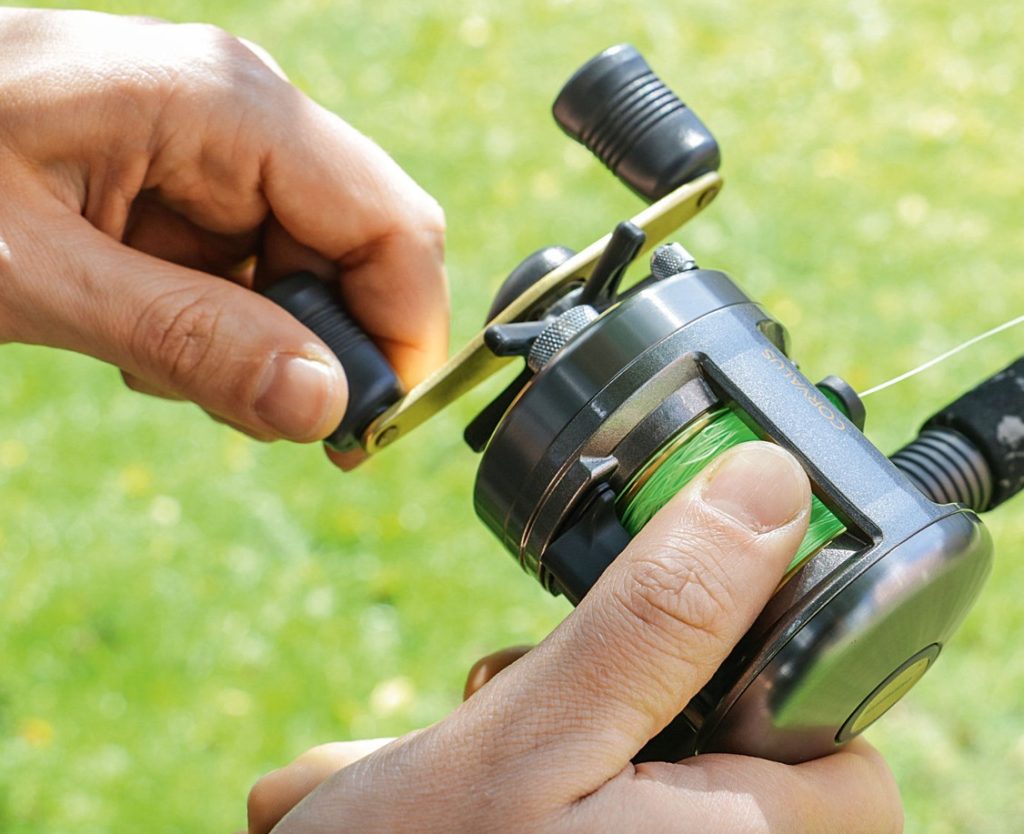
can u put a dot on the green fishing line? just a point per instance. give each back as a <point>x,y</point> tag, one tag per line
<point>685,457</point>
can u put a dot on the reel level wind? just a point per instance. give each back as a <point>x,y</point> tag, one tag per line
<point>626,396</point>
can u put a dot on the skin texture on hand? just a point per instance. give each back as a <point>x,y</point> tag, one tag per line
<point>152,174</point>
<point>545,739</point>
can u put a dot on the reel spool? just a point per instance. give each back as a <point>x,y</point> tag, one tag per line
<point>625,396</point>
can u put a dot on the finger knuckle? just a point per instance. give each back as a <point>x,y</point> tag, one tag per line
<point>212,39</point>
<point>433,220</point>
<point>145,20</point>
<point>176,333</point>
<point>676,590</point>
<point>421,219</point>
<point>218,65</point>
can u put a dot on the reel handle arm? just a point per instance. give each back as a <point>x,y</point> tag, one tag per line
<point>373,385</point>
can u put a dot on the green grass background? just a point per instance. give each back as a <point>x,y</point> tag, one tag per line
<point>184,609</point>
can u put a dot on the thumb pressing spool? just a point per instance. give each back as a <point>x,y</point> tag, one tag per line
<point>686,457</point>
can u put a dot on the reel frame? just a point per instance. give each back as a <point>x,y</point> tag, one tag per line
<point>650,368</point>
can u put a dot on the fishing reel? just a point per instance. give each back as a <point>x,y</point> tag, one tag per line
<point>626,395</point>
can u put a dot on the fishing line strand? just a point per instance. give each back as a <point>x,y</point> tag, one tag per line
<point>931,363</point>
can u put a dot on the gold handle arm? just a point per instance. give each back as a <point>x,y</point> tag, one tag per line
<point>475,363</point>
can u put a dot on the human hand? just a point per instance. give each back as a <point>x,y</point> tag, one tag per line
<point>143,163</point>
<point>545,746</point>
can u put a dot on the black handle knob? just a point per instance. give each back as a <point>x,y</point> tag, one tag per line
<point>372,383</point>
<point>621,111</point>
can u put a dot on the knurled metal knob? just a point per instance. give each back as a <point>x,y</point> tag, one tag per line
<point>558,334</point>
<point>671,260</point>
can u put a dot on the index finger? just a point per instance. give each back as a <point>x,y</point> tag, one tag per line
<point>338,193</point>
<point>279,791</point>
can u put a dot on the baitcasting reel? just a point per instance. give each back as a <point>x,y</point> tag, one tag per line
<point>625,396</point>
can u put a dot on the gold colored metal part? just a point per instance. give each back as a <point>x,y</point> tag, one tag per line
<point>475,363</point>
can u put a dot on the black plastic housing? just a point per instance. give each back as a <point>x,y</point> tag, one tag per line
<point>578,557</point>
<point>527,273</point>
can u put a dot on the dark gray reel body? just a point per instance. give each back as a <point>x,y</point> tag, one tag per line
<point>851,630</point>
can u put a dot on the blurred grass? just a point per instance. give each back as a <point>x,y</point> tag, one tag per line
<point>184,609</point>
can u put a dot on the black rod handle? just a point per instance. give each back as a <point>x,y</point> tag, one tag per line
<point>991,416</point>
<point>972,451</point>
<point>373,385</point>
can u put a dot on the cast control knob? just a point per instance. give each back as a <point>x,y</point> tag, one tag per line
<point>558,334</point>
<point>671,260</point>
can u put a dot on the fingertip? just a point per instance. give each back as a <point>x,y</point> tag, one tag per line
<point>889,787</point>
<point>390,249</point>
<point>263,804</point>
<point>301,396</point>
<point>759,485</point>
<point>346,461</point>
<point>275,794</point>
<point>401,302</point>
<point>487,667</point>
